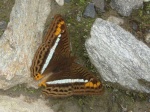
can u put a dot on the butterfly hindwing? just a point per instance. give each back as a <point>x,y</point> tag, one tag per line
<point>77,78</point>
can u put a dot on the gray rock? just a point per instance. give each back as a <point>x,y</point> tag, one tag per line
<point>3,24</point>
<point>60,2</point>
<point>20,41</point>
<point>118,56</point>
<point>23,104</point>
<point>90,11</point>
<point>125,7</point>
<point>78,17</point>
<point>134,26</point>
<point>99,5</point>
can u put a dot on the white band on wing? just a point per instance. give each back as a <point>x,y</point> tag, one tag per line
<point>49,57</point>
<point>65,81</point>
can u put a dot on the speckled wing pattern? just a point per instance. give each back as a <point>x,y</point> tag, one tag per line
<point>54,56</point>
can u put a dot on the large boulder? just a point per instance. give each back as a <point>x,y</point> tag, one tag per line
<point>118,56</point>
<point>20,41</point>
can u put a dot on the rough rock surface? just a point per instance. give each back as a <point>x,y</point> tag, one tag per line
<point>20,41</point>
<point>118,56</point>
<point>22,104</point>
<point>125,7</point>
<point>115,20</point>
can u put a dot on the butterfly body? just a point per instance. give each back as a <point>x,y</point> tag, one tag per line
<point>54,56</point>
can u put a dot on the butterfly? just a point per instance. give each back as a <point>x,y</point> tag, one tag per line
<point>54,56</point>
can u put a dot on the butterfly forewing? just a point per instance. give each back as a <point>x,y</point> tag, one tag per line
<point>44,53</point>
<point>61,58</point>
<point>52,29</point>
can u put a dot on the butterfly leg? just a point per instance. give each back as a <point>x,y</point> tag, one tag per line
<point>43,83</point>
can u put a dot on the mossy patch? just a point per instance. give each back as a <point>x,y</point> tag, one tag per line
<point>21,89</point>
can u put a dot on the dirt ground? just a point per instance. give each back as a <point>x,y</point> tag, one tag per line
<point>114,98</point>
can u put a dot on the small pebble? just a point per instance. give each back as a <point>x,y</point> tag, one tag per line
<point>90,11</point>
<point>147,38</point>
<point>134,26</point>
<point>99,5</point>
<point>78,18</point>
<point>67,1</point>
